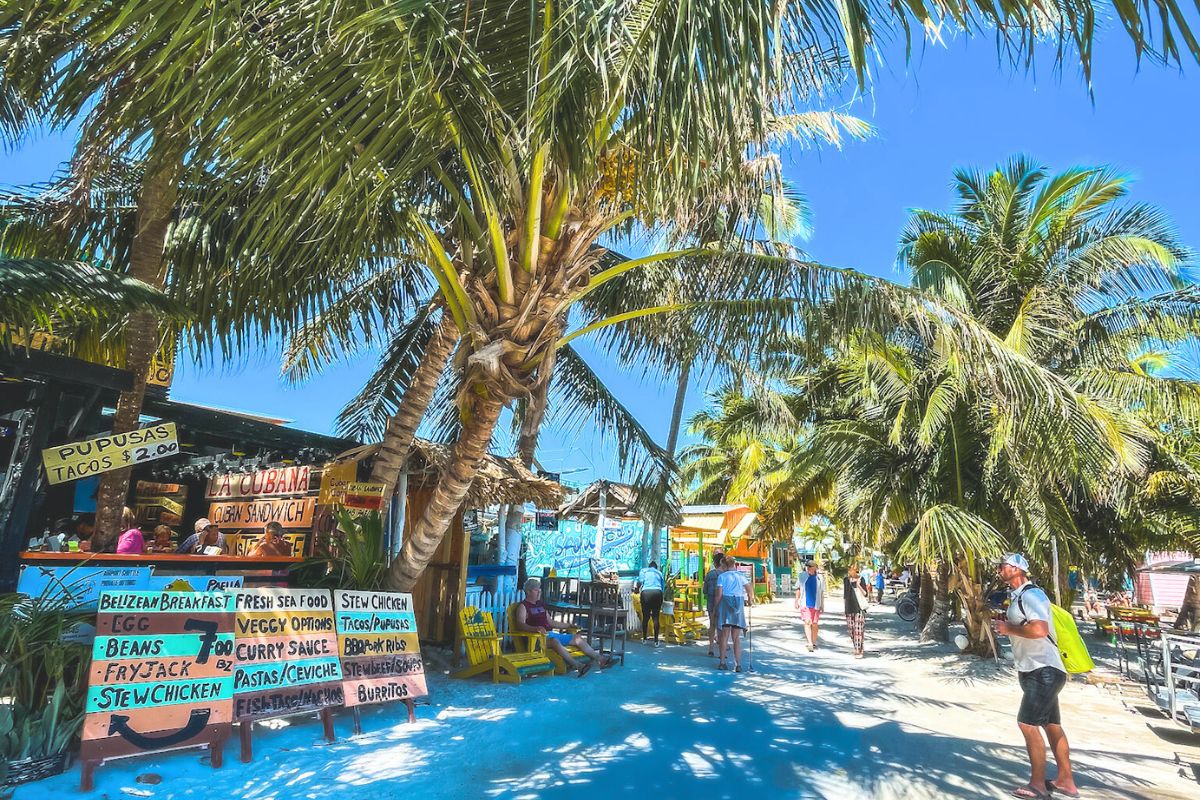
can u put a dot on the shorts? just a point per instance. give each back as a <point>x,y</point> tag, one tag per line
<point>562,638</point>
<point>812,615</point>
<point>1039,696</point>
<point>731,613</point>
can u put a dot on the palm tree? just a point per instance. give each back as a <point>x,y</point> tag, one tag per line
<point>952,456</point>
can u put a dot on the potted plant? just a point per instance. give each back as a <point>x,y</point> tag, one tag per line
<point>43,683</point>
<point>668,606</point>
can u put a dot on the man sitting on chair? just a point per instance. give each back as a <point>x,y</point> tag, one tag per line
<point>531,617</point>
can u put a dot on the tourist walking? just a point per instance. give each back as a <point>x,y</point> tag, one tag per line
<point>855,598</point>
<point>1029,625</point>
<point>810,602</point>
<point>710,598</point>
<point>880,583</point>
<point>650,585</point>
<point>731,612</point>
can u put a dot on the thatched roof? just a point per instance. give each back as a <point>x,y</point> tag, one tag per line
<point>619,501</point>
<point>499,479</point>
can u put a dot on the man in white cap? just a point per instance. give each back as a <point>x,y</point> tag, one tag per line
<point>1030,626</point>
<point>207,540</point>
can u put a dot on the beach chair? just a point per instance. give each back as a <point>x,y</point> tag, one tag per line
<point>524,642</point>
<point>484,655</point>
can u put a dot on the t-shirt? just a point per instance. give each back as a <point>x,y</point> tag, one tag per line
<point>535,614</point>
<point>651,579</point>
<point>732,583</point>
<point>131,543</point>
<point>1030,603</point>
<point>812,591</point>
<point>710,582</point>
<point>190,543</point>
<point>879,579</point>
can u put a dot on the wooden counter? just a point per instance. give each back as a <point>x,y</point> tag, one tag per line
<point>165,559</point>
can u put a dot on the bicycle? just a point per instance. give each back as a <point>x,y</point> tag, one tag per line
<point>906,606</point>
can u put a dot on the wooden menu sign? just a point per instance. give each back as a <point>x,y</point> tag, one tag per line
<point>161,677</point>
<point>286,653</point>
<point>290,512</point>
<point>377,640</point>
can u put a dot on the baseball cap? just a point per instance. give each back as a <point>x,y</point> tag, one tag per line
<point>1016,560</point>
<point>203,523</point>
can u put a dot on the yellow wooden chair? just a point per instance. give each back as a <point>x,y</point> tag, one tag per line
<point>524,641</point>
<point>479,635</point>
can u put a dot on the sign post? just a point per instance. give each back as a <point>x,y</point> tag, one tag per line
<point>161,676</point>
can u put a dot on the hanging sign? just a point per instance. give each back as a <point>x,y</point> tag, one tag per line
<point>377,642</point>
<point>290,512</point>
<point>162,675</point>
<point>360,499</point>
<point>286,653</point>
<point>334,480</point>
<point>275,482</point>
<point>160,503</point>
<point>546,520</point>
<point>69,462</point>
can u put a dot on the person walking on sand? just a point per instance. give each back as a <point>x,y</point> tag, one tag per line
<point>731,609</point>
<point>710,598</point>
<point>856,598</point>
<point>1040,670</point>
<point>810,602</point>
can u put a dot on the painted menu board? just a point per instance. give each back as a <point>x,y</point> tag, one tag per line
<point>286,653</point>
<point>162,673</point>
<point>377,641</point>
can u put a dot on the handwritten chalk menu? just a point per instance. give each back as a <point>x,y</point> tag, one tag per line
<point>377,640</point>
<point>162,673</point>
<point>286,653</point>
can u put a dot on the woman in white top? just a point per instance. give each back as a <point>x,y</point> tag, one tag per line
<point>650,584</point>
<point>731,602</point>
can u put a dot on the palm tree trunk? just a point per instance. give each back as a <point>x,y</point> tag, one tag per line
<point>531,427</point>
<point>455,482</point>
<point>937,626</point>
<point>976,615</point>
<point>681,388</point>
<point>402,427</point>
<point>925,601</point>
<point>156,204</point>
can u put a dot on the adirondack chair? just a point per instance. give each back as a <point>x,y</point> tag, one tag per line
<point>525,641</point>
<point>484,654</point>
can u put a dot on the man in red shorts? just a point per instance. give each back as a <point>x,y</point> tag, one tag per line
<point>810,602</point>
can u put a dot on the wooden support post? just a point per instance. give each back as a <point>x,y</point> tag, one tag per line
<point>246,729</point>
<point>216,753</point>
<point>357,721</point>
<point>412,711</point>
<point>86,774</point>
<point>327,721</point>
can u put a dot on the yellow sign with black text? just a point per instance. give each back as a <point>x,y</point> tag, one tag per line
<point>70,462</point>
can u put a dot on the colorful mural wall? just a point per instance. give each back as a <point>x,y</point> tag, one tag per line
<point>567,549</point>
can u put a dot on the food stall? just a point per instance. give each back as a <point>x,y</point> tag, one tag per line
<point>702,530</point>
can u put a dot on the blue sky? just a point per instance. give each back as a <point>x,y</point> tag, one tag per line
<point>953,106</point>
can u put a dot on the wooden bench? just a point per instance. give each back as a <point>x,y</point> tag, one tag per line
<point>524,642</point>
<point>484,654</point>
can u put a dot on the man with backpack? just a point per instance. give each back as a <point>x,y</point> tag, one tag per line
<point>1029,624</point>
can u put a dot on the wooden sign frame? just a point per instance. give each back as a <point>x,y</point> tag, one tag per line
<point>147,646</point>
<point>282,637</point>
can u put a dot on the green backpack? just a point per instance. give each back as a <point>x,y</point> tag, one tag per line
<point>1066,638</point>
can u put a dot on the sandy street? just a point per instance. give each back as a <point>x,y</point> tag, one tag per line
<point>908,721</point>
